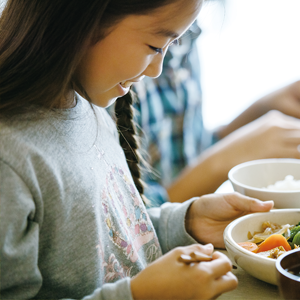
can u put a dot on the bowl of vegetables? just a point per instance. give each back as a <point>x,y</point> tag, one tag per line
<point>276,179</point>
<point>255,241</point>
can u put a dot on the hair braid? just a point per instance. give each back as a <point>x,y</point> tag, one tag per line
<point>129,139</point>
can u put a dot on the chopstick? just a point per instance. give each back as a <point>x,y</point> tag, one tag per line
<point>196,257</point>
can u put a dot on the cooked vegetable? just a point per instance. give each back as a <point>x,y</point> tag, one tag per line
<point>296,239</point>
<point>249,246</point>
<point>273,241</point>
<point>258,237</point>
<point>287,235</point>
<point>273,253</point>
<point>294,231</point>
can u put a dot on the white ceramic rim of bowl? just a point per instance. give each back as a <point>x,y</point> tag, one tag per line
<point>228,230</point>
<point>258,162</point>
<point>282,270</point>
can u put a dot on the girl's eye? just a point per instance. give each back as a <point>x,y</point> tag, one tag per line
<point>157,50</point>
<point>176,43</point>
<point>160,50</point>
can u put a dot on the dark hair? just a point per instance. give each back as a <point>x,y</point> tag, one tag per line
<point>41,45</point>
<point>129,140</point>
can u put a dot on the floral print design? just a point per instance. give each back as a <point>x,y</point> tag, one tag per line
<point>128,225</point>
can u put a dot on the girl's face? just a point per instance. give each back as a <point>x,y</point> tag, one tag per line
<point>135,48</point>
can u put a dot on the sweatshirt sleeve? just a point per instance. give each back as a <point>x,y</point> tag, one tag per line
<point>19,237</point>
<point>19,244</point>
<point>112,291</point>
<point>169,223</point>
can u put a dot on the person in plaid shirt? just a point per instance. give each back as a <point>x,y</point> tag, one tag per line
<point>187,159</point>
<point>170,115</point>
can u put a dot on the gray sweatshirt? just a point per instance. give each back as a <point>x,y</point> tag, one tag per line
<point>72,224</point>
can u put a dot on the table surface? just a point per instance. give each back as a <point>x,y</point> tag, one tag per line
<point>249,287</point>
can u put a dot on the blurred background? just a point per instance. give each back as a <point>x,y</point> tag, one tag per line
<point>247,49</point>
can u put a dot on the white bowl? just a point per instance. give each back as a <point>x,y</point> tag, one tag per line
<point>251,177</point>
<point>260,267</point>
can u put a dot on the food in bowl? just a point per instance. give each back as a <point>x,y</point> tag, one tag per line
<point>288,184</point>
<point>258,266</point>
<point>294,270</point>
<point>251,179</point>
<point>274,239</point>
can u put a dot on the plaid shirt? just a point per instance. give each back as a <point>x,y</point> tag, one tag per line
<point>170,116</point>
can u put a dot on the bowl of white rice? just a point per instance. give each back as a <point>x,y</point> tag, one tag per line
<point>269,179</point>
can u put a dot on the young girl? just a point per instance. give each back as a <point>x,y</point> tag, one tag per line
<point>73,223</point>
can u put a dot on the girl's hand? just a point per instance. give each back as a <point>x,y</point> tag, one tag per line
<point>208,216</point>
<point>167,278</point>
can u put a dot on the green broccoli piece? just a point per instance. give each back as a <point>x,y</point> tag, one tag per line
<point>294,231</point>
<point>296,239</point>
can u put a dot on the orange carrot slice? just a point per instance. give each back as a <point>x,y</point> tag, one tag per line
<point>249,246</point>
<point>273,241</point>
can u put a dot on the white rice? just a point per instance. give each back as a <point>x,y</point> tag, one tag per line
<point>288,184</point>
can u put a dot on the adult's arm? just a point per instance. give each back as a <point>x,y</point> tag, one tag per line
<point>285,100</point>
<point>273,134</point>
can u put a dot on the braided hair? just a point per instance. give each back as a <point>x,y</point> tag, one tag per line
<point>129,139</point>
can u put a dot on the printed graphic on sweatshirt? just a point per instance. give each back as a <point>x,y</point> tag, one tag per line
<point>128,225</point>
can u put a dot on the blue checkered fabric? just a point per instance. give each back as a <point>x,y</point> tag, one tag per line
<point>169,111</point>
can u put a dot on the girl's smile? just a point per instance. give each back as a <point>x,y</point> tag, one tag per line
<point>107,73</point>
<point>125,85</point>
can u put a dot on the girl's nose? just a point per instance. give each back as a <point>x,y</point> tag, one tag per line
<point>154,69</point>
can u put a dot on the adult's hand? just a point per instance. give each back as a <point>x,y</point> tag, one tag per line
<point>274,135</point>
<point>286,100</point>
<point>209,215</point>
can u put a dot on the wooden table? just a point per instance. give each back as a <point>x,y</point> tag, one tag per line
<point>249,287</point>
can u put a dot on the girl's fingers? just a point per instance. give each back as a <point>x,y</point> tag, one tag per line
<point>292,136</point>
<point>206,249</point>
<point>219,266</point>
<point>226,283</point>
<point>247,204</point>
<point>216,273</point>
